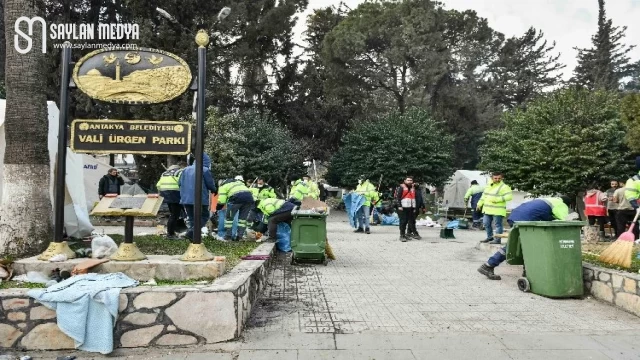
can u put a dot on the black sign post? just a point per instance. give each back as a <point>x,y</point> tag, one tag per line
<point>58,246</point>
<point>197,251</point>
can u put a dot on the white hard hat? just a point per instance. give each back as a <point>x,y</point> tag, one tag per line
<point>239,177</point>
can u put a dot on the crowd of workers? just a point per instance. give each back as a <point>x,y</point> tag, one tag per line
<point>251,203</point>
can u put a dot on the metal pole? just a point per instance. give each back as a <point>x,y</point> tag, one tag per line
<point>128,229</point>
<point>61,163</point>
<point>197,211</point>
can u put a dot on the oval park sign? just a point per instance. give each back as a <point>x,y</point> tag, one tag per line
<point>134,77</point>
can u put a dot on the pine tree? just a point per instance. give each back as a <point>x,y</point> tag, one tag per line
<point>606,63</point>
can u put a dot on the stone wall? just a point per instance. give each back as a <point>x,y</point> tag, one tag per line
<point>615,287</point>
<point>149,316</point>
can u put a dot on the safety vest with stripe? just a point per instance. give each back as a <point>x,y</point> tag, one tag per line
<point>227,190</point>
<point>632,188</point>
<point>559,209</point>
<point>269,206</point>
<point>593,205</point>
<point>494,199</point>
<point>299,191</point>
<point>369,192</point>
<point>169,181</point>
<point>265,192</point>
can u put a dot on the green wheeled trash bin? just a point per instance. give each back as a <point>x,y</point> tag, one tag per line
<point>552,257</point>
<point>308,237</point>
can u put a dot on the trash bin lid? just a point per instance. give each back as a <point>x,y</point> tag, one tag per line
<point>549,223</point>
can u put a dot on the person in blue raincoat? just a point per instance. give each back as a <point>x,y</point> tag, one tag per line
<point>187,184</point>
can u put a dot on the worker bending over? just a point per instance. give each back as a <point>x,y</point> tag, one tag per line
<point>239,200</point>
<point>275,211</point>
<point>543,209</point>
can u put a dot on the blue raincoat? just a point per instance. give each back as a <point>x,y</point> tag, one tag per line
<point>353,202</point>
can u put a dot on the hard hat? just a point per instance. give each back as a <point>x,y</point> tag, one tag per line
<point>239,177</point>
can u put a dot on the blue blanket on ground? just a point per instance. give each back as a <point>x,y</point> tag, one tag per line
<point>86,307</point>
<point>353,202</point>
<point>392,219</point>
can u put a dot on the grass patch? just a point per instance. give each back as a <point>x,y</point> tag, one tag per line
<point>158,245</point>
<point>591,252</point>
<point>21,285</point>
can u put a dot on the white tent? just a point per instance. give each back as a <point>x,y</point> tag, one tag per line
<point>460,182</point>
<point>76,215</point>
<point>93,170</point>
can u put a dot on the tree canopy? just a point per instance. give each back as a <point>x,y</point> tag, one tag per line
<point>253,144</point>
<point>395,146</point>
<point>561,143</point>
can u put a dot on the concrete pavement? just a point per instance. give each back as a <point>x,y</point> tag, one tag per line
<point>423,299</point>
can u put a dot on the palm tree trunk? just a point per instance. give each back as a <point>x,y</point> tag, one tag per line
<point>25,213</point>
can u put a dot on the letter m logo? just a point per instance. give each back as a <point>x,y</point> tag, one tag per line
<point>19,32</point>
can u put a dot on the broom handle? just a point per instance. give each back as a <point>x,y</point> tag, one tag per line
<point>634,221</point>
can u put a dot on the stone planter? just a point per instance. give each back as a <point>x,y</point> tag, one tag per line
<point>615,287</point>
<point>149,316</point>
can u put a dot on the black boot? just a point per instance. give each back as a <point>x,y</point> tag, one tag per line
<point>359,230</point>
<point>367,231</point>
<point>415,235</point>
<point>487,271</point>
<point>404,238</point>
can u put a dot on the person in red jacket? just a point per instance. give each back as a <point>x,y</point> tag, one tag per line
<point>595,202</point>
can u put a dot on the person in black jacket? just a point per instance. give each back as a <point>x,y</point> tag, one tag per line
<point>408,201</point>
<point>110,183</point>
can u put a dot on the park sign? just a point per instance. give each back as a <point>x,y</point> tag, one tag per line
<point>132,77</point>
<point>130,137</point>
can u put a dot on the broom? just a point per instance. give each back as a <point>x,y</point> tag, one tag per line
<point>329,251</point>
<point>619,253</point>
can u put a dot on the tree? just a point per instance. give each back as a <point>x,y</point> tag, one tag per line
<point>394,145</point>
<point>606,63</point>
<point>560,144</point>
<point>524,68</point>
<point>25,215</point>
<point>262,148</point>
<point>630,115</point>
<point>387,48</point>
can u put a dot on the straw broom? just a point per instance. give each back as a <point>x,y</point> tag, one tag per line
<point>329,251</point>
<point>620,252</point>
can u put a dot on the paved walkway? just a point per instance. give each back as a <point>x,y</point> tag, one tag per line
<point>423,299</point>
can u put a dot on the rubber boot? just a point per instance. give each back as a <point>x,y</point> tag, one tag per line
<point>487,271</point>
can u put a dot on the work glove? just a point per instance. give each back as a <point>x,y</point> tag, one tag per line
<point>634,203</point>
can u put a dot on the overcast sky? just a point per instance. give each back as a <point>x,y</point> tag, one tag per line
<point>569,23</point>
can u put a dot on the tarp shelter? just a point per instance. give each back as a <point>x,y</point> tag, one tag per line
<point>460,182</point>
<point>76,214</point>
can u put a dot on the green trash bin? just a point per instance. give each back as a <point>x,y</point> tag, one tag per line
<point>309,237</point>
<point>552,257</point>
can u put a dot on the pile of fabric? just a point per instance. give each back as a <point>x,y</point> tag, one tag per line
<point>86,307</point>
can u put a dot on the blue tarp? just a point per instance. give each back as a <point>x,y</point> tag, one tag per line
<point>392,219</point>
<point>454,224</point>
<point>353,202</point>
<point>283,235</point>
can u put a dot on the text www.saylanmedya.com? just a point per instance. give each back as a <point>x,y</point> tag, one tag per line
<point>83,46</point>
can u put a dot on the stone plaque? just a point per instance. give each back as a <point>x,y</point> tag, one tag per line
<point>130,137</point>
<point>133,77</point>
<point>128,203</point>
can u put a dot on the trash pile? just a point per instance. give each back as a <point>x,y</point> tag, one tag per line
<point>311,206</point>
<point>428,222</point>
